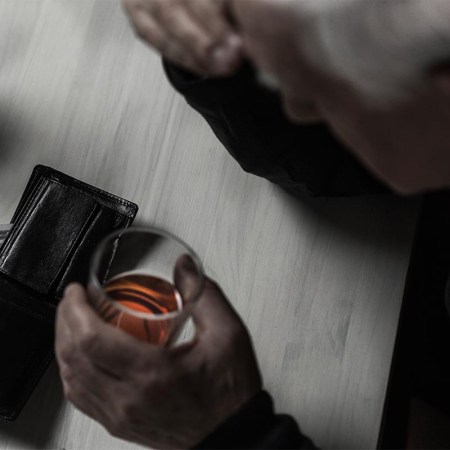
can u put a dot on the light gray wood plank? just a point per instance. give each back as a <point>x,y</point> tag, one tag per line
<point>319,283</point>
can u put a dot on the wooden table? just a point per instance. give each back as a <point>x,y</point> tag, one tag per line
<point>319,283</point>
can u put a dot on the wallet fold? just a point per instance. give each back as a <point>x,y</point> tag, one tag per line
<point>56,226</point>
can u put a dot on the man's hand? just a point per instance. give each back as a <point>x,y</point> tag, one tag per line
<point>156,396</point>
<point>362,68</point>
<point>195,34</point>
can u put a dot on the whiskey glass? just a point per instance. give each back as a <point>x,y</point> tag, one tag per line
<point>136,283</point>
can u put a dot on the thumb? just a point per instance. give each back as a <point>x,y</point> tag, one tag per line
<point>212,311</point>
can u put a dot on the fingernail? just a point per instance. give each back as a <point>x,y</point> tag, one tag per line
<point>188,265</point>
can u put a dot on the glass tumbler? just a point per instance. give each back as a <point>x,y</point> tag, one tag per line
<point>138,283</point>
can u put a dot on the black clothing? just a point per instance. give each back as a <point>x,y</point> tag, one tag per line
<point>249,121</point>
<point>256,426</point>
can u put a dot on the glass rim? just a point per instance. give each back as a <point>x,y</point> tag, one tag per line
<point>94,262</point>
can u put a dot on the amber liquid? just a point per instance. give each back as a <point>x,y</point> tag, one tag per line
<point>141,293</point>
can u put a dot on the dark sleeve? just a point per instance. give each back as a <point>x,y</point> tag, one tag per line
<point>249,121</point>
<point>256,426</point>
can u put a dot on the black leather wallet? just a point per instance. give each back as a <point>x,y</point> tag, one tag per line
<point>57,224</point>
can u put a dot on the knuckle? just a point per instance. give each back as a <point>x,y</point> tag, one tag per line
<point>88,341</point>
<point>200,46</point>
<point>158,8</point>
<point>66,373</point>
<point>64,353</point>
<point>155,385</point>
<point>168,11</point>
<point>149,35</point>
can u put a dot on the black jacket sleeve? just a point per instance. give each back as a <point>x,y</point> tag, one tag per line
<point>255,426</point>
<point>249,121</point>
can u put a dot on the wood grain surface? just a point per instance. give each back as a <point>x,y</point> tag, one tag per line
<point>318,282</point>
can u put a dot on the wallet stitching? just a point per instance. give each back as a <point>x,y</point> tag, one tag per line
<point>6,250</point>
<point>107,194</point>
<point>89,187</point>
<point>113,197</point>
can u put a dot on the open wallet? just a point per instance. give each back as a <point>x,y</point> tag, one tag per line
<point>56,227</point>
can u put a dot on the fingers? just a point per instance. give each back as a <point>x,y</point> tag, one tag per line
<point>211,16</point>
<point>187,279</point>
<point>192,33</point>
<point>226,49</point>
<point>182,34</point>
<point>212,313</point>
<point>79,330</point>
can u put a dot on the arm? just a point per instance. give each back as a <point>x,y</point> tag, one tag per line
<point>249,121</point>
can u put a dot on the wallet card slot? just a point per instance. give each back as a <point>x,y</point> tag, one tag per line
<point>44,236</point>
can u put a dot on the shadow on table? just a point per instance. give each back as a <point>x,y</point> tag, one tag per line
<point>34,428</point>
